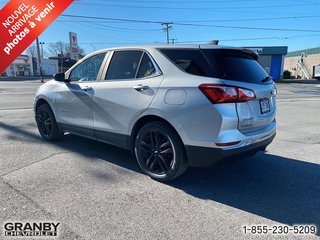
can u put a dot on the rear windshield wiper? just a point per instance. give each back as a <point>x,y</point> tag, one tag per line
<point>268,78</point>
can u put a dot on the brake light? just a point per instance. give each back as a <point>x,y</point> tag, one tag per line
<point>226,94</point>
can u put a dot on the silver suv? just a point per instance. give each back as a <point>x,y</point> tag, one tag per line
<point>172,106</point>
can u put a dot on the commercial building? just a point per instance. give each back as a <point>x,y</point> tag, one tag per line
<point>303,63</point>
<point>22,66</point>
<point>272,59</point>
<point>25,65</point>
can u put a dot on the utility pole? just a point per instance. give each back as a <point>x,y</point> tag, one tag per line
<point>39,60</point>
<point>41,44</point>
<point>61,58</point>
<point>166,28</point>
<point>173,40</point>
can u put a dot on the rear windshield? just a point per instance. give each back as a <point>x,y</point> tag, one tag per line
<point>226,64</point>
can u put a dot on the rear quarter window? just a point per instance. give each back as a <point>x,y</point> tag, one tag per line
<point>192,61</point>
<point>235,65</point>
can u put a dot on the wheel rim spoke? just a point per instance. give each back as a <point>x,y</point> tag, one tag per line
<point>149,160</point>
<point>163,164</point>
<point>156,139</point>
<point>48,121</point>
<point>153,163</point>
<point>42,128</point>
<point>41,118</point>
<point>48,129</point>
<point>145,147</point>
<point>153,139</point>
<point>166,148</point>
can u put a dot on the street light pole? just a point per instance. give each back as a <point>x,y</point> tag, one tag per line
<point>94,47</point>
<point>39,60</point>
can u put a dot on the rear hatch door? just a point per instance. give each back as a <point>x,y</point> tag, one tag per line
<point>258,113</point>
<point>240,68</point>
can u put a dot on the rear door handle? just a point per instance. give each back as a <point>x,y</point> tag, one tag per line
<point>140,87</point>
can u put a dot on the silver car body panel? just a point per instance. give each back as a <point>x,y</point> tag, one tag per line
<point>74,105</point>
<point>114,107</point>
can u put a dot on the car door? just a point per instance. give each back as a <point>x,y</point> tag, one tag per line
<point>131,82</point>
<point>74,99</point>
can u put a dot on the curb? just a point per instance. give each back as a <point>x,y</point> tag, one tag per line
<point>299,81</point>
<point>17,79</point>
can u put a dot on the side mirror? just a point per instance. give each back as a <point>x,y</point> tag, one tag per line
<point>60,77</point>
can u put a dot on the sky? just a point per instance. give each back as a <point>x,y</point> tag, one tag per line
<point>109,23</point>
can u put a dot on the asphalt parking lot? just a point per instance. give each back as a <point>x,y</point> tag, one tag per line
<point>96,191</point>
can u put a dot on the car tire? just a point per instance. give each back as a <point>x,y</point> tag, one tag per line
<point>160,151</point>
<point>46,122</point>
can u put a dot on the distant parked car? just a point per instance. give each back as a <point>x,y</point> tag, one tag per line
<point>173,106</point>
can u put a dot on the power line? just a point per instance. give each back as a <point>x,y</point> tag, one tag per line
<point>204,21</point>
<point>247,28</point>
<point>197,8</point>
<point>112,19</point>
<point>195,25</point>
<point>252,39</point>
<point>250,19</point>
<point>179,2</point>
<point>191,1</point>
<point>99,33</point>
<point>111,28</point>
<point>88,28</point>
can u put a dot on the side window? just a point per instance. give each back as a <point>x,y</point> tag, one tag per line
<point>146,67</point>
<point>88,69</point>
<point>124,65</point>
<point>190,60</point>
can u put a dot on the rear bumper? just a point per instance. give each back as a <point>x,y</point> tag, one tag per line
<point>205,156</point>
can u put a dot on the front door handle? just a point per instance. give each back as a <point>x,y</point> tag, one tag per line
<point>140,87</point>
<point>87,88</point>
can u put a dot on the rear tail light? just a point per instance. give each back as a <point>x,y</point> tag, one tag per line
<point>226,94</point>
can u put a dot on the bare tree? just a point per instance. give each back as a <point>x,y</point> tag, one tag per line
<point>44,53</point>
<point>61,48</point>
<point>81,51</point>
<point>58,48</point>
<point>32,51</point>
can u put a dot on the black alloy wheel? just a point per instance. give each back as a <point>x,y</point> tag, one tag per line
<point>160,152</point>
<point>47,124</point>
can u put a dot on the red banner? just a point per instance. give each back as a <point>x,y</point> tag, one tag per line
<point>21,22</point>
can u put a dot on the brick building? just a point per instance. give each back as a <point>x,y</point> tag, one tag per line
<point>302,63</point>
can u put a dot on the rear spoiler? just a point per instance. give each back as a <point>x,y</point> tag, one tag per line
<point>251,52</point>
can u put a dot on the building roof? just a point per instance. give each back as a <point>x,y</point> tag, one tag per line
<point>308,51</point>
<point>270,50</point>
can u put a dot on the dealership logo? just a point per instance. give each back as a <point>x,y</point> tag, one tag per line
<point>31,229</point>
